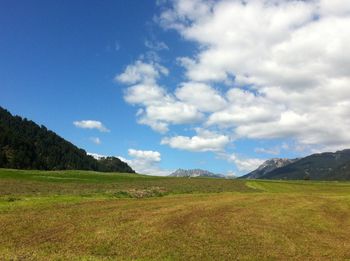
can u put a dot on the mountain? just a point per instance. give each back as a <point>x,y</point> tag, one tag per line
<point>195,173</point>
<point>340,173</point>
<point>267,167</point>
<point>320,166</point>
<point>26,145</point>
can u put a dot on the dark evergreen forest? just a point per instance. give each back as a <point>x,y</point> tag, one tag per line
<point>26,145</point>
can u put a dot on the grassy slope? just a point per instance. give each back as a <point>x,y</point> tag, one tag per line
<point>84,215</point>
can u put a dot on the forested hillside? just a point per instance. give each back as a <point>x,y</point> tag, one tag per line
<point>319,166</point>
<point>26,145</point>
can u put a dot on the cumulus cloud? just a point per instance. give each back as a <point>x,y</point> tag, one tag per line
<point>146,162</point>
<point>200,95</point>
<point>204,141</point>
<point>141,72</point>
<point>91,124</point>
<point>144,94</point>
<point>173,112</point>
<point>283,61</point>
<point>262,70</point>
<point>147,155</point>
<point>245,107</point>
<point>158,108</point>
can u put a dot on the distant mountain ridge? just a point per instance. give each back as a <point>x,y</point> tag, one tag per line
<point>26,145</point>
<point>267,167</point>
<point>193,173</point>
<point>319,166</point>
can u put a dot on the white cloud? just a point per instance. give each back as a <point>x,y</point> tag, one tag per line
<point>146,162</point>
<point>272,151</point>
<point>96,155</point>
<point>262,70</point>
<point>283,61</point>
<point>141,72</point>
<point>158,108</point>
<point>278,149</point>
<point>173,112</point>
<point>91,124</point>
<point>147,155</point>
<point>204,141</point>
<point>142,161</point>
<point>334,7</point>
<point>95,140</point>
<point>144,94</point>
<point>200,95</point>
<point>244,165</point>
<point>156,45</point>
<point>245,107</point>
<point>157,126</point>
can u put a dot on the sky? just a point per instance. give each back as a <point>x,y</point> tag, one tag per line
<point>217,85</point>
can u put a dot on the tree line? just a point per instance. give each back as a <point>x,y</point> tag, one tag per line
<point>26,145</point>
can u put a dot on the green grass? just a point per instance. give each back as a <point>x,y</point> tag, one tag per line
<point>86,183</point>
<point>78,215</point>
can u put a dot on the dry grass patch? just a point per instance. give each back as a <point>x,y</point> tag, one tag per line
<point>216,227</point>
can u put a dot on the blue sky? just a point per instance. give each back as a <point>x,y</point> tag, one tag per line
<point>181,84</point>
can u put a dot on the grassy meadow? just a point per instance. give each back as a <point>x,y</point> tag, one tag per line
<point>79,215</point>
